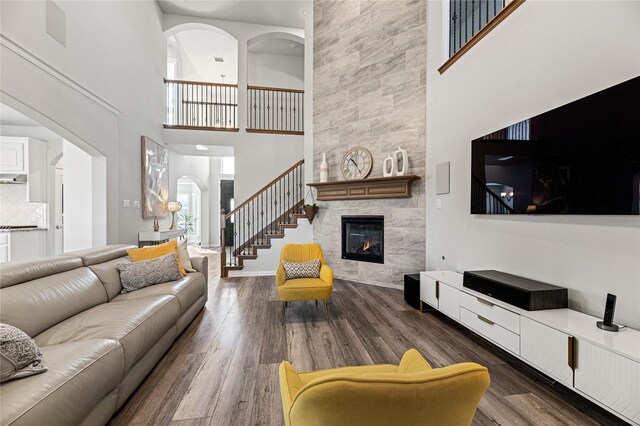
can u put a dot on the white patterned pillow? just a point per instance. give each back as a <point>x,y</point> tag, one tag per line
<point>295,270</point>
<point>20,354</point>
<point>144,273</point>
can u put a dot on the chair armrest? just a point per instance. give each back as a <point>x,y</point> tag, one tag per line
<point>281,276</point>
<point>326,274</point>
<point>290,384</point>
<point>201,264</point>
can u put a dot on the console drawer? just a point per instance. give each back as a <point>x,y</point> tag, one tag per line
<point>492,331</point>
<point>490,311</point>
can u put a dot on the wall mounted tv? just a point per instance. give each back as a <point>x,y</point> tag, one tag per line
<point>582,158</point>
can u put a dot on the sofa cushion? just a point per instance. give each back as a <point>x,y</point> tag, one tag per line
<point>39,304</point>
<point>13,273</point>
<point>188,290</point>
<point>80,374</point>
<point>94,256</point>
<point>183,253</point>
<point>152,252</point>
<point>310,269</point>
<point>137,275</point>
<point>109,275</point>
<point>137,324</point>
<point>20,356</point>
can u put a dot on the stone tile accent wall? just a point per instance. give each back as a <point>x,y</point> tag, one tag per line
<point>369,91</point>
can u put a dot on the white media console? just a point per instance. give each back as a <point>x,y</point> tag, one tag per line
<point>564,344</point>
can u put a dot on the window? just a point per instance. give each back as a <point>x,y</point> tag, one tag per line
<point>227,166</point>
<point>465,22</point>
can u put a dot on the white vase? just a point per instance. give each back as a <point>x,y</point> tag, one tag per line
<point>388,167</point>
<point>324,169</point>
<point>400,161</point>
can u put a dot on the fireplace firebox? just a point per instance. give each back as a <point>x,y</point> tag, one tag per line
<point>363,238</point>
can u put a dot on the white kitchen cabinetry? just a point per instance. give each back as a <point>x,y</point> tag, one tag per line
<point>13,155</point>
<point>26,156</point>
<point>5,254</point>
<point>549,350</point>
<point>27,245</point>
<point>564,344</point>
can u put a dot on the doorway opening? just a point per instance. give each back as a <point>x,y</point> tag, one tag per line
<point>190,219</point>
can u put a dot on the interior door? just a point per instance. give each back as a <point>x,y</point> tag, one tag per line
<point>227,203</point>
<point>59,211</point>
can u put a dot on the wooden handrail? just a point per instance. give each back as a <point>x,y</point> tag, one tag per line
<point>274,89</point>
<point>493,22</point>
<point>258,192</point>
<point>201,83</point>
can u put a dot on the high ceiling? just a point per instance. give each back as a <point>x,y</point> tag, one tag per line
<point>265,12</point>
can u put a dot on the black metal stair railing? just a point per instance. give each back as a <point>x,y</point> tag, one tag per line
<point>467,17</point>
<point>262,216</point>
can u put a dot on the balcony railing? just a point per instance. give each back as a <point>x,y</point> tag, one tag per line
<point>275,110</point>
<point>201,106</point>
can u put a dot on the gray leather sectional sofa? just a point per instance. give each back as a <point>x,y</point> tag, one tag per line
<point>98,344</point>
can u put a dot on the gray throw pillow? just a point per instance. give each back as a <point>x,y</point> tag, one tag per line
<point>295,270</point>
<point>20,356</point>
<point>137,275</point>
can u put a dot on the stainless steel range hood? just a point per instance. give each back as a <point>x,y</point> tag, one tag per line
<point>10,178</point>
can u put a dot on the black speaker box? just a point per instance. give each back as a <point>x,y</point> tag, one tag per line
<point>517,291</point>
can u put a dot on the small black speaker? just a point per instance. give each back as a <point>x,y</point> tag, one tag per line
<point>412,290</point>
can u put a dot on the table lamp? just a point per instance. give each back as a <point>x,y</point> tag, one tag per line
<point>173,207</point>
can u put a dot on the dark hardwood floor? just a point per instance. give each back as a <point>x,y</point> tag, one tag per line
<point>223,370</point>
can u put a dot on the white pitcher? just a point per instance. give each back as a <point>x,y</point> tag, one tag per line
<point>388,167</point>
<point>400,161</point>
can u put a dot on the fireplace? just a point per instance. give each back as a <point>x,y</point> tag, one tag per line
<point>363,238</point>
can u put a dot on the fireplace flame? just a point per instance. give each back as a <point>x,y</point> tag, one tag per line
<point>366,246</point>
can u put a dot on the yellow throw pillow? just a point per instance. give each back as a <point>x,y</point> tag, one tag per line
<point>153,252</point>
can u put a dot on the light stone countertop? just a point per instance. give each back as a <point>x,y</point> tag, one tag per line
<point>23,230</point>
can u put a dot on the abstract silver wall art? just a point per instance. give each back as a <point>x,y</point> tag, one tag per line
<point>155,179</point>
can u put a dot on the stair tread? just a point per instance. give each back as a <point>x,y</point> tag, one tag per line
<point>234,267</point>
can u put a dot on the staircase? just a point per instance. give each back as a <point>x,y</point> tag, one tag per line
<point>264,216</point>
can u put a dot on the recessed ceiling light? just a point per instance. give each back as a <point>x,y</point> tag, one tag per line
<point>201,148</point>
<point>217,59</point>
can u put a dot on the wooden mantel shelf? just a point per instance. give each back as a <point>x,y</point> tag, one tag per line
<point>365,189</point>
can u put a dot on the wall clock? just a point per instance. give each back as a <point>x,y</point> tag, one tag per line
<point>356,163</point>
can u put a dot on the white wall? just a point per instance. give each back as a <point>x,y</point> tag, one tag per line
<point>544,55</point>
<point>103,89</point>
<point>267,69</point>
<point>78,205</point>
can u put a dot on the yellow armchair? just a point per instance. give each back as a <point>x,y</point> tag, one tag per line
<point>304,288</point>
<point>411,393</point>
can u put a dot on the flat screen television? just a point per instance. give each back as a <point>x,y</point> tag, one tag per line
<point>582,158</point>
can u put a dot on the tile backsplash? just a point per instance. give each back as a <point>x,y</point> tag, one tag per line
<point>16,210</point>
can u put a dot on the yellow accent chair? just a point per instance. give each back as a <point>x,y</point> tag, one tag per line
<point>304,288</point>
<point>411,393</point>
